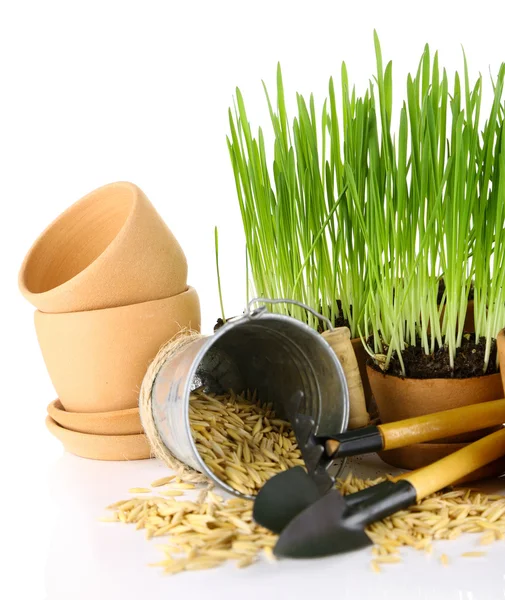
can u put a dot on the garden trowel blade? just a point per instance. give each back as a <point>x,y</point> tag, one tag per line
<point>283,497</point>
<point>322,529</point>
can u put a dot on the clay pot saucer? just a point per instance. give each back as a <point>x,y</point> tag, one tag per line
<point>97,359</point>
<point>111,248</point>
<point>101,447</point>
<point>118,422</point>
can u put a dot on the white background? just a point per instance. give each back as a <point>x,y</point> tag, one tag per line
<point>94,92</point>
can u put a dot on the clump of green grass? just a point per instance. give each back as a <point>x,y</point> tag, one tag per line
<point>439,215</point>
<point>298,219</point>
<point>363,218</point>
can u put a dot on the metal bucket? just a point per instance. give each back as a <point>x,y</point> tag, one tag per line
<point>273,354</point>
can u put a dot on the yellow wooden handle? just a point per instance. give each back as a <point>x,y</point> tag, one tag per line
<point>492,469</point>
<point>442,424</point>
<point>451,468</point>
<point>340,341</point>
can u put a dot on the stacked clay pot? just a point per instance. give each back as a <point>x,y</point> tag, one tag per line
<point>109,281</point>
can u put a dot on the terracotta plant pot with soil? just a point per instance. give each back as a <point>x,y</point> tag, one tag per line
<point>401,398</point>
<point>118,422</point>
<point>500,340</point>
<point>111,248</point>
<point>97,359</point>
<point>101,447</point>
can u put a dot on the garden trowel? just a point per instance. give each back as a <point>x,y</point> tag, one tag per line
<point>288,493</point>
<point>334,524</point>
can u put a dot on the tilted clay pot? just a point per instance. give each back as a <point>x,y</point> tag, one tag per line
<point>101,447</point>
<point>117,422</point>
<point>97,359</point>
<point>500,340</point>
<point>111,248</point>
<point>402,398</point>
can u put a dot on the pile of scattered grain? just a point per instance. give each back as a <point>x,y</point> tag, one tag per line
<point>206,532</point>
<point>244,444</point>
<point>203,533</point>
<point>443,516</point>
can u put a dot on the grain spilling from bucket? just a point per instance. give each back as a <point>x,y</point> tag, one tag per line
<point>241,440</point>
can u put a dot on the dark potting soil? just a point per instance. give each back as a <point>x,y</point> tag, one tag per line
<point>469,361</point>
<point>338,321</point>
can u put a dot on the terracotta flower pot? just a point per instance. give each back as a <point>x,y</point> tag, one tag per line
<point>111,248</point>
<point>500,340</point>
<point>118,422</point>
<point>402,398</point>
<point>101,447</point>
<point>97,359</point>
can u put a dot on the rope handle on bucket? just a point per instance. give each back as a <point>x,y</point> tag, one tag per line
<point>252,314</point>
<point>339,339</point>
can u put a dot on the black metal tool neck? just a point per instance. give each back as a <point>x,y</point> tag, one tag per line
<point>358,441</point>
<point>369,493</point>
<point>387,498</point>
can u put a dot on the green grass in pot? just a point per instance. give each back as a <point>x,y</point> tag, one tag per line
<point>301,236</point>
<point>438,213</point>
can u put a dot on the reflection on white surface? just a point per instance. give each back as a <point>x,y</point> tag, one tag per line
<point>89,559</point>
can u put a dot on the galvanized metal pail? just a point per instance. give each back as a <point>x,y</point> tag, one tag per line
<point>271,353</point>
